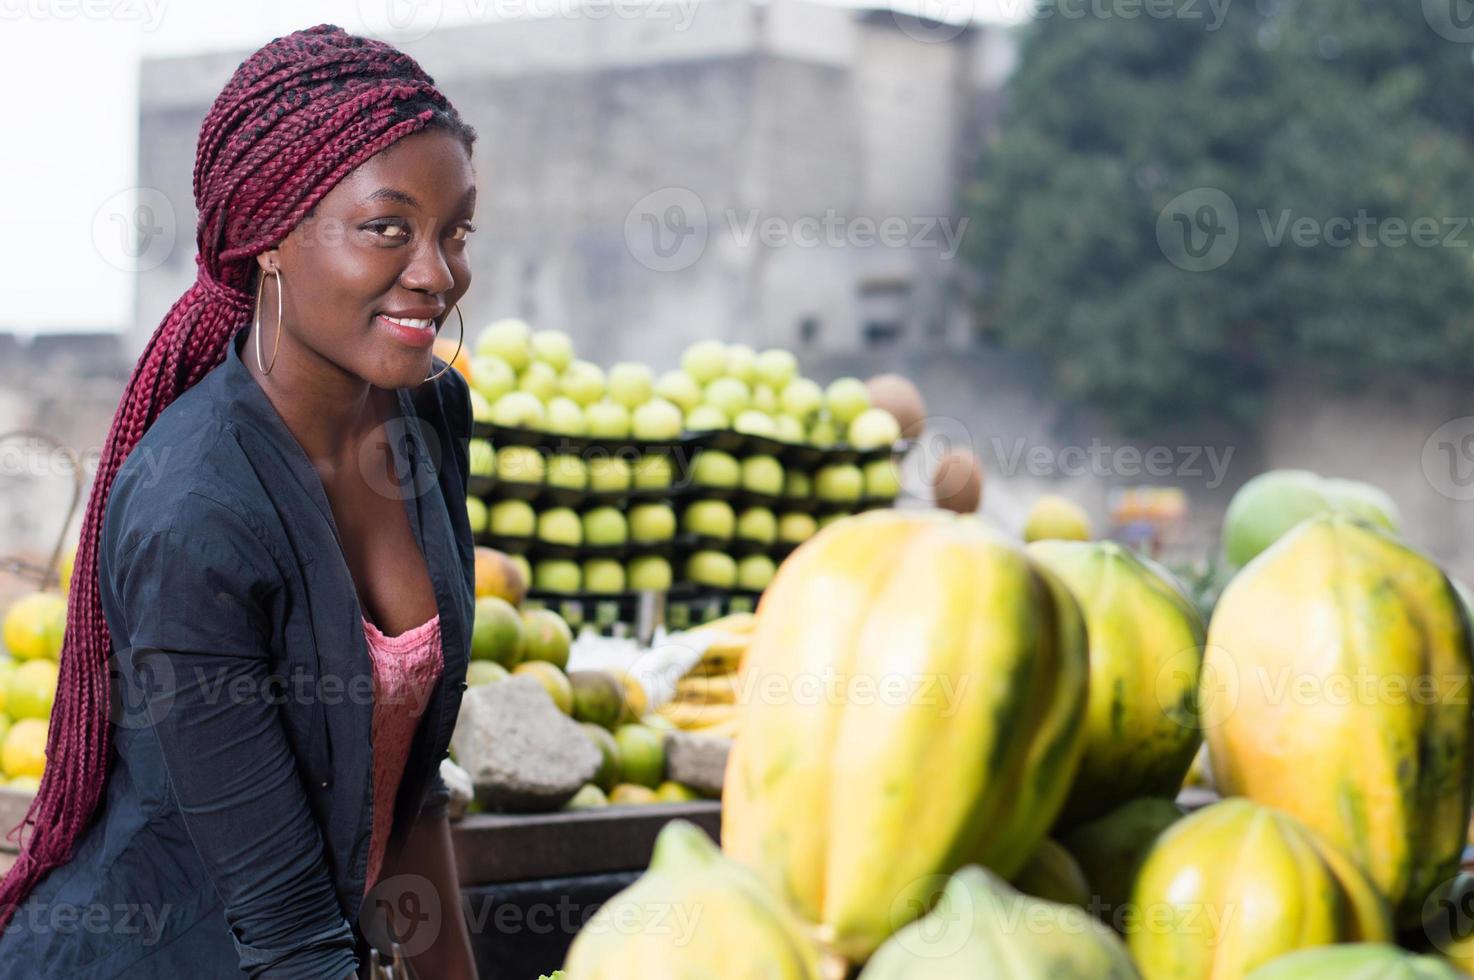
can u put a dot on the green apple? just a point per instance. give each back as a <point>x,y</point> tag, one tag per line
<point>757,524</point>
<point>742,364</point>
<point>605,526</point>
<point>764,399</point>
<point>523,566</point>
<point>566,471</point>
<point>480,457</point>
<point>603,575</point>
<point>482,672</point>
<point>714,468</point>
<point>649,573</point>
<point>704,418</point>
<point>679,388</point>
<point>480,406</point>
<point>712,568</point>
<point>583,381</point>
<point>840,483</point>
<point>874,428</point>
<point>520,464</point>
<point>846,398</point>
<point>557,575</point>
<point>762,474</point>
<point>797,485</point>
<point>796,527</point>
<point>755,572</point>
<point>560,525</point>
<point>654,472</point>
<point>565,418</point>
<point>776,367</point>
<point>756,423</point>
<point>882,478</point>
<point>801,398</point>
<point>510,339</point>
<point>539,379</point>
<point>519,410</point>
<point>727,395</point>
<point>607,420</point>
<point>789,429</point>
<point>709,518</point>
<point>477,515</point>
<point>630,384</point>
<point>493,377</point>
<point>705,361</point>
<point>609,474</point>
<point>829,519</point>
<point>656,419</point>
<point>496,632</point>
<point>823,433</point>
<point>513,518</point>
<point>553,347</point>
<point>652,522</point>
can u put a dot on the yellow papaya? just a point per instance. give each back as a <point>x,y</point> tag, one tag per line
<point>918,688</point>
<point>693,913</point>
<point>983,928</point>
<point>1146,649</point>
<point>1235,885</point>
<point>1336,687</point>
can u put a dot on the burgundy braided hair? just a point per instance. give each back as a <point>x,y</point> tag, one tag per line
<point>296,118</point>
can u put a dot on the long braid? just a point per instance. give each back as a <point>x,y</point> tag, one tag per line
<point>295,118</point>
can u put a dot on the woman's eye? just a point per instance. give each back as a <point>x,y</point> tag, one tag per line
<point>464,232</point>
<point>392,229</point>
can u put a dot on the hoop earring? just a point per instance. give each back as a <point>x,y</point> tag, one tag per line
<point>448,364</point>
<point>260,281</point>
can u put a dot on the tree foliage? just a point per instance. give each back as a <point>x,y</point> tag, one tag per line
<point>1328,125</point>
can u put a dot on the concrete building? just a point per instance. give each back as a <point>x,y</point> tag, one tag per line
<point>784,172</point>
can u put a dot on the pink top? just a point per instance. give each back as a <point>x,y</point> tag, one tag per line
<point>406,669</point>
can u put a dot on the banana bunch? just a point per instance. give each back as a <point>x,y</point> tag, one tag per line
<point>706,697</point>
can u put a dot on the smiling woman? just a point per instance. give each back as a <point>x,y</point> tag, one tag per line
<point>280,506</point>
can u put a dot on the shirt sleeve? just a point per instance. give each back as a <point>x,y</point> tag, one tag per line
<point>456,397</point>
<point>436,804</point>
<point>196,660</point>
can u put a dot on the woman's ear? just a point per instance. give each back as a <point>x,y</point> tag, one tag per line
<point>269,261</point>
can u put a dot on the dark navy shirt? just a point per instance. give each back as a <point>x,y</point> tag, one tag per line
<point>233,837</point>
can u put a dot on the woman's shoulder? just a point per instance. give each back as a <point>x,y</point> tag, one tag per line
<point>187,475</point>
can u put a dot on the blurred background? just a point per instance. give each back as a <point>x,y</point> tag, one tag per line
<point>1131,252</point>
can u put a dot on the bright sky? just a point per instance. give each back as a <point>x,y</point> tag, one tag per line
<point>70,78</point>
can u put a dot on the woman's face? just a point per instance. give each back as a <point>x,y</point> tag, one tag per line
<point>389,240</point>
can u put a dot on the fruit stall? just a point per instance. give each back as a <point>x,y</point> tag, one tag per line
<point>731,711</point>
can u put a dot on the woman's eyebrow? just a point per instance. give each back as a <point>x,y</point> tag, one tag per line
<point>408,200</point>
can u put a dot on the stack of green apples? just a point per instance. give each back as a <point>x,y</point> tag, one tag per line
<point>611,482</point>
